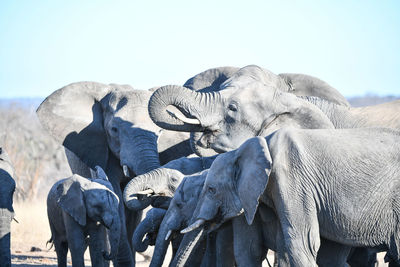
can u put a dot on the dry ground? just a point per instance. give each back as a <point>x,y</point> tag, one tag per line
<point>32,233</point>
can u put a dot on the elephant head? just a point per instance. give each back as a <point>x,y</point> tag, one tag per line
<point>234,184</point>
<point>179,213</point>
<point>147,188</point>
<point>92,119</point>
<point>251,102</point>
<point>82,198</point>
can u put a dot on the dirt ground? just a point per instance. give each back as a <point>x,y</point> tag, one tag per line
<point>30,234</point>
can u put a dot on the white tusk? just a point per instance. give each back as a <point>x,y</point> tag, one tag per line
<point>173,111</point>
<point>168,235</point>
<point>193,226</point>
<point>126,170</point>
<point>186,120</point>
<point>145,192</point>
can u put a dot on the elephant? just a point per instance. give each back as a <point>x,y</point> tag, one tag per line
<point>339,184</point>
<point>109,126</point>
<point>78,207</point>
<point>7,189</point>
<point>252,101</point>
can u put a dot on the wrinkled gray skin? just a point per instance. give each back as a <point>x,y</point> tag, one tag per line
<point>320,183</point>
<point>78,207</point>
<point>162,182</point>
<point>7,189</point>
<point>109,126</point>
<point>251,102</point>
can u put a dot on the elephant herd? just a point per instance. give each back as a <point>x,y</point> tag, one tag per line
<point>235,162</point>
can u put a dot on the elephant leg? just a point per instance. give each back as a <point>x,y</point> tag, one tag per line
<point>76,240</point>
<point>247,241</point>
<point>61,251</point>
<point>97,244</point>
<point>5,222</point>
<point>362,257</point>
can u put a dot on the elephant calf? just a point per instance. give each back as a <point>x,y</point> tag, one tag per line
<point>7,188</point>
<point>78,207</point>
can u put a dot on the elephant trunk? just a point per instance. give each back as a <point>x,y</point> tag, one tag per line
<point>149,225</point>
<point>190,245</point>
<point>139,151</point>
<point>171,222</point>
<point>114,237</point>
<point>160,181</point>
<point>198,109</point>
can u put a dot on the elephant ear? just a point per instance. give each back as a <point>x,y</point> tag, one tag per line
<point>71,200</point>
<point>211,79</point>
<point>253,162</point>
<point>74,117</point>
<point>306,85</point>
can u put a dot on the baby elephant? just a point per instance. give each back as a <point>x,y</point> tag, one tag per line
<point>78,207</point>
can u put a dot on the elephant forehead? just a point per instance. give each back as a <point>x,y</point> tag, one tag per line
<point>98,186</point>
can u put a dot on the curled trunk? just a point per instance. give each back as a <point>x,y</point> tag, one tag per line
<point>193,105</point>
<point>149,225</point>
<point>161,181</point>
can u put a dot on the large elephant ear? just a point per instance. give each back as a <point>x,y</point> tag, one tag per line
<point>253,161</point>
<point>71,200</point>
<point>74,117</point>
<point>211,79</point>
<point>306,85</point>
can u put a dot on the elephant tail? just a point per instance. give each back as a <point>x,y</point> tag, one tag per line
<point>51,241</point>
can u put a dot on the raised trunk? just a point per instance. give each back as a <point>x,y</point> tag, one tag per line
<point>149,225</point>
<point>114,237</point>
<point>160,181</point>
<point>170,222</point>
<point>200,106</point>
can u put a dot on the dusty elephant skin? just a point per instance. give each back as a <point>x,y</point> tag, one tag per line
<point>7,189</point>
<point>109,126</point>
<point>320,183</point>
<point>78,208</point>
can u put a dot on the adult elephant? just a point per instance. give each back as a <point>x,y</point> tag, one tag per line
<point>7,189</point>
<point>314,181</point>
<point>252,103</point>
<point>229,111</point>
<point>109,126</point>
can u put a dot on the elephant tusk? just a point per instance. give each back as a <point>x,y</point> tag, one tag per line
<point>177,114</point>
<point>193,226</point>
<point>146,192</point>
<point>168,235</point>
<point>125,170</point>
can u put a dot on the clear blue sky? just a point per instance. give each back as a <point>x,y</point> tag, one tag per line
<point>44,45</point>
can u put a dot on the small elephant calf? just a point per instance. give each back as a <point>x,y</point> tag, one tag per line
<point>84,212</point>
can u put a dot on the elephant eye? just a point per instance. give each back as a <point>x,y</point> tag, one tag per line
<point>233,107</point>
<point>211,190</point>
<point>114,129</point>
